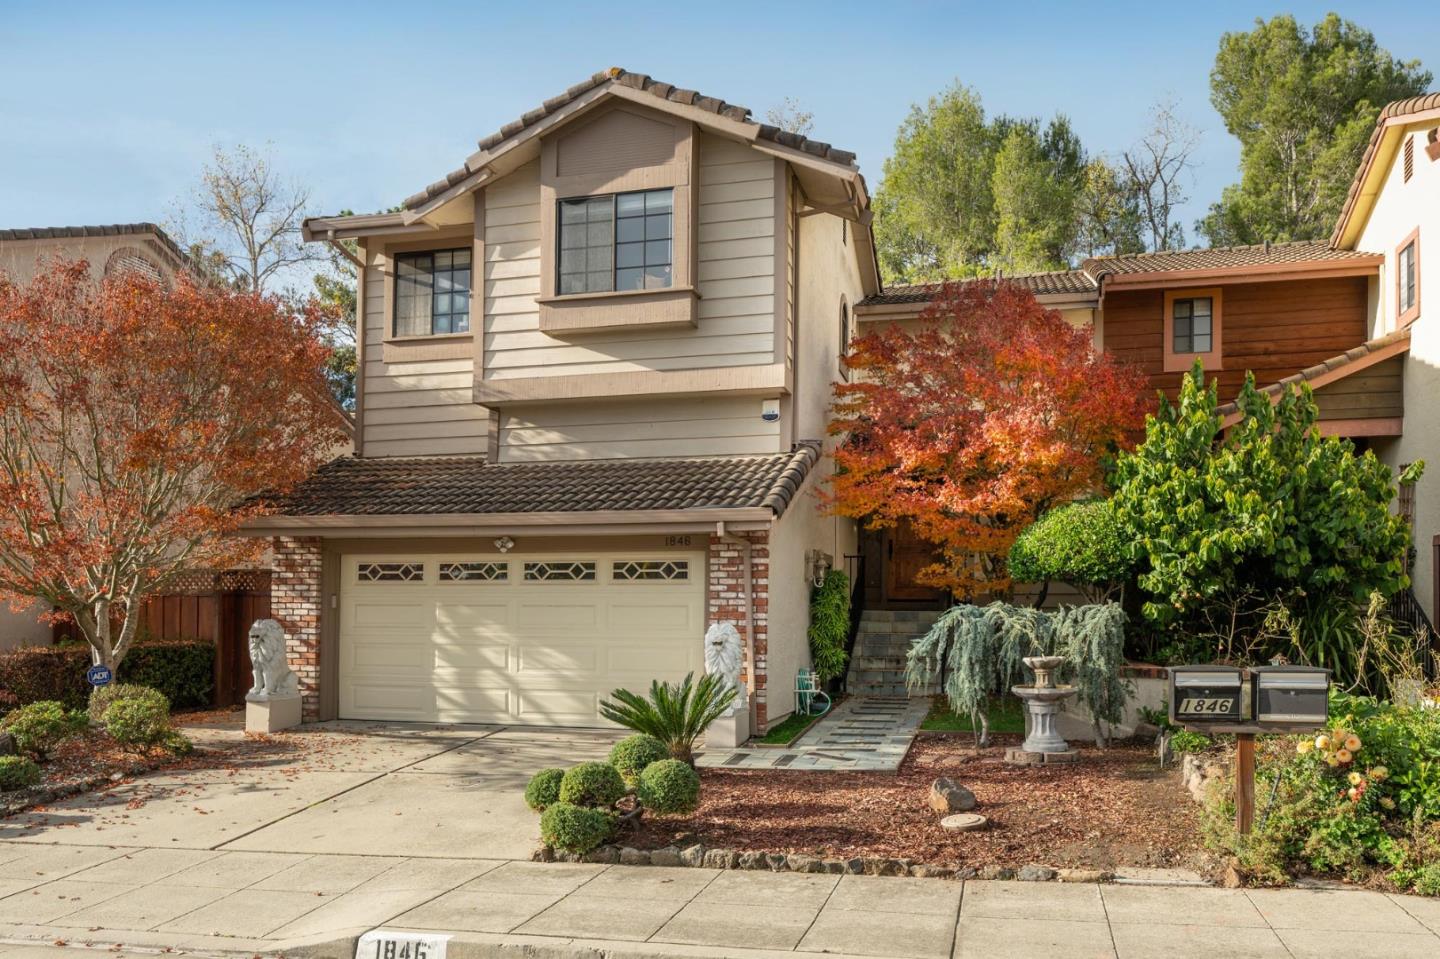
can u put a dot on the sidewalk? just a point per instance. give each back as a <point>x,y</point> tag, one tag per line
<point>258,903</point>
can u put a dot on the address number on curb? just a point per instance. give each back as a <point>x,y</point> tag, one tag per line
<point>384,944</point>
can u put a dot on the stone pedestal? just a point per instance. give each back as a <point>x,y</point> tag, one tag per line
<point>273,714</point>
<point>1042,736</point>
<point>730,731</point>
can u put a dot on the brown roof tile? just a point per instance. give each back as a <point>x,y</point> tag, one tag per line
<point>1218,258</point>
<point>642,82</point>
<point>1056,282</point>
<point>1345,359</point>
<point>431,485</point>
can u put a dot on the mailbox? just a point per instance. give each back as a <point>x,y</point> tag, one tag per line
<point>1291,695</point>
<point>1205,694</point>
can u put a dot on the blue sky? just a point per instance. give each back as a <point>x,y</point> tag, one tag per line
<point>108,110</point>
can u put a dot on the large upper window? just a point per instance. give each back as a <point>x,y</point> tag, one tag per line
<point>619,241</point>
<point>1193,327</point>
<point>432,292</point>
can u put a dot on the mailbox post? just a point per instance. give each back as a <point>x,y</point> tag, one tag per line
<point>1279,699</point>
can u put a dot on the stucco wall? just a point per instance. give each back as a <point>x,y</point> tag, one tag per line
<point>22,259</point>
<point>1399,209</point>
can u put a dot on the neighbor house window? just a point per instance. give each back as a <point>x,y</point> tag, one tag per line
<point>432,292</point>
<point>844,337</point>
<point>620,241</point>
<point>1407,279</point>
<point>1192,329</point>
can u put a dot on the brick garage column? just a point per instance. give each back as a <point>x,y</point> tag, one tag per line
<point>726,604</point>
<point>295,602</point>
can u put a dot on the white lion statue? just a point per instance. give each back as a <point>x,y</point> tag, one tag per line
<point>273,676</point>
<point>723,658</point>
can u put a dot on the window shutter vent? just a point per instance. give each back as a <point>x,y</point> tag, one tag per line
<point>1409,158</point>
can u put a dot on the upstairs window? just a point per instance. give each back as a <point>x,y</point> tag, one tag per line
<point>1407,279</point>
<point>616,242</point>
<point>1194,326</point>
<point>432,292</point>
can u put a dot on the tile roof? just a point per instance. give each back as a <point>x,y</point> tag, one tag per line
<point>644,83</point>
<point>1218,258</point>
<point>113,229</point>
<point>1055,282</point>
<point>435,485</point>
<point>1396,108</point>
<point>1319,369</point>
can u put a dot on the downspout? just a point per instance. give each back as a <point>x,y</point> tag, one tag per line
<point>745,548</point>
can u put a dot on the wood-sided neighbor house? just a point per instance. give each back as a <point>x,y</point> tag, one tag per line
<point>1344,315</point>
<point>595,362</point>
<point>110,249</point>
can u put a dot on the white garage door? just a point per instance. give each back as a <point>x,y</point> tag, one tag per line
<point>536,640</point>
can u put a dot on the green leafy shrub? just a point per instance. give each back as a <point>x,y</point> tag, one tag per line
<point>577,829</point>
<point>39,727</point>
<point>830,625</point>
<point>670,787</point>
<point>177,743</point>
<point>17,772</point>
<point>1082,544</point>
<point>138,720</point>
<point>1186,741</point>
<point>543,790</point>
<point>103,696</point>
<point>675,715</point>
<point>592,784</point>
<point>183,670</point>
<point>1358,799</point>
<point>633,753</point>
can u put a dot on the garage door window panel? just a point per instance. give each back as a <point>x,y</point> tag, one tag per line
<point>560,571</point>
<point>650,571</point>
<point>474,572</point>
<point>413,572</point>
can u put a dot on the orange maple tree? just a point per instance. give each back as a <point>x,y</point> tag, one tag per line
<point>970,426</point>
<point>137,425</point>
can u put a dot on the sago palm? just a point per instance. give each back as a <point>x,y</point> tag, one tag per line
<point>675,715</point>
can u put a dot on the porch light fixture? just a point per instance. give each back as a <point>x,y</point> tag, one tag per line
<point>504,544</point>
<point>818,564</point>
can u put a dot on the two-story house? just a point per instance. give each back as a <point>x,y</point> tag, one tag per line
<point>594,367</point>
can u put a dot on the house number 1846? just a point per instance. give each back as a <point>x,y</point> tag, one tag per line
<point>380,944</point>
<point>677,540</point>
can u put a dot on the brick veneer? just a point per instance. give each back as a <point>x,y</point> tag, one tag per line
<point>725,603</point>
<point>295,602</point>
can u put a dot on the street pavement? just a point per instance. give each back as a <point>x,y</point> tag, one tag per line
<point>422,829</point>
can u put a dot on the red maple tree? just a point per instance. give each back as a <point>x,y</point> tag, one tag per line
<point>137,424</point>
<point>970,426</point>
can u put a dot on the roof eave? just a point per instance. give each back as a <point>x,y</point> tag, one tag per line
<point>597,522</point>
<point>1329,371</point>
<point>1370,175</point>
<point>1360,265</point>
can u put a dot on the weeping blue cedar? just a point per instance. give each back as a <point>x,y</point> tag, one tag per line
<point>979,651</point>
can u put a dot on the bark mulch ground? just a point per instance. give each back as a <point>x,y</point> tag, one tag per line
<point>1114,808</point>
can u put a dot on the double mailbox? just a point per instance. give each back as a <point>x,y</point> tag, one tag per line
<point>1262,697</point>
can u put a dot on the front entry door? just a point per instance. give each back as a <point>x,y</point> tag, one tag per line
<point>905,555</point>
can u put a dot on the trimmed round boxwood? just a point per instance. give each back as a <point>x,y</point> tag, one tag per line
<point>573,828</point>
<point>543,790</point>
<point>633,753</point>
<point>140,719</point>
<point>40,727</point>
<point>669,786</point>
<point>17,772</point>
<point>592,784</point>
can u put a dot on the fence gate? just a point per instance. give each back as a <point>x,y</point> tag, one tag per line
<point>219,607</point>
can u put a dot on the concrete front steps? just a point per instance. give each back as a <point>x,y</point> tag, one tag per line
<point>877,667</point>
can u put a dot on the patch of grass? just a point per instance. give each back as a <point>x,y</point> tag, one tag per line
<point>1006,716</point>
<point>788,728</point>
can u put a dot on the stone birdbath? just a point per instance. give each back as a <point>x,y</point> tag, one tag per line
<point>1042,700</point>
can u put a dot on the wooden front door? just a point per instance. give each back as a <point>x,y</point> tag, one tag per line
<point>905,555</point>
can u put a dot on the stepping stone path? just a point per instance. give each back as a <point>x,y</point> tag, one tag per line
<point>862,734</point>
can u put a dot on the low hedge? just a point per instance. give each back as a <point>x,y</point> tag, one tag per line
<point>183,670</point>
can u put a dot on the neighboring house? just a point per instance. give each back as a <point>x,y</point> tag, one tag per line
<point>1344,316</point>
<point>139,247</point>
<point>595,363</point>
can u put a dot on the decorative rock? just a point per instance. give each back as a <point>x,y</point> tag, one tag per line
<point>947,796</point>
<point>996,872</point>
<point>855,867</point>
<point>964,822</point>
<point>603,854</point>
<point>669,856</point>
<point>753,860</point>
<point>1035,873</point>
<point>966,872</point>
<point>721,859</point>
<point>543,854</point>
<point>800,863</point>
<point>692,855</point>
<point>777,861</point>
<point>629,856</point>
<point>834,867</point>
<point>886,867</point>
<point>1232,878</point>
<point>932,872</point>
<point>1082,875</point>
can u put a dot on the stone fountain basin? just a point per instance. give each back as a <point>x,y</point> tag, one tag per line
<point>1044,694</point>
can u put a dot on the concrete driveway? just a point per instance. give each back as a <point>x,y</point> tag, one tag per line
<point>343,788</point>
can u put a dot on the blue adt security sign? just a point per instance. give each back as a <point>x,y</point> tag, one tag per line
<point>100,675</point>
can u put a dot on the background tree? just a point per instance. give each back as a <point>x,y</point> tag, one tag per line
<point>137,426</point>
<point>1037,181</point>
<point>972,426</point>
<point>1157,171</point>
<point>1107,213</point>
<point>791,117</point>
<point>1302,103</point>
